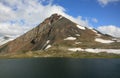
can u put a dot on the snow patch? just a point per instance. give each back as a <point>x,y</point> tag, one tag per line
<point>80,27</point>
<point>103,41</point>
<point>49,23</point>
<point>116,39</point>
<point>75,49</point>
<point>96,32</point>
<point>47,41</point>
<point>48,46</point>
<point>77,34</point>
<point>98,35</point>
<point>114,51</point>
<point>78,42</point>
<point>70,38</point>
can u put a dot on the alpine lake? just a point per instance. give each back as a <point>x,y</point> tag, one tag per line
<point>60,68</point>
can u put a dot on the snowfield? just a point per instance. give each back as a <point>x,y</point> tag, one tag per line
<point>103,41</point>
<point>115,39</point>
<point>80,27</point>
<point>75,49</point>
<point>96,32</point>
<point>98,35</point>
<point>118,40</point>
<point>48,46</point>
<point>77,34</point>
<point>78,42</point>
<point>47,41</point>
<point>70,38</point>
<point>115,51</point>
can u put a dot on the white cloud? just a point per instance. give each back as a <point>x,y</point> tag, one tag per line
<point>94,20</point>
<point>110,29</point>
<point>106,2</point>
<point>12,29</point>
<point>17,16</point>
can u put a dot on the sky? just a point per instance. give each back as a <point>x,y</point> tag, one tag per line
<point>19,16</point>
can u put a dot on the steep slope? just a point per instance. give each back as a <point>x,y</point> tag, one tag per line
<point>58,31</point>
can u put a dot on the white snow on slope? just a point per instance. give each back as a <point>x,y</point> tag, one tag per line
<point>47,41</point>
<point>80,27</point>
<point>49,23</point>
<point>78,42</point>
<point>96,32</point>
<point>115,51</point>
<point>116,39</point>
<point>48,46</point>
<point>70,38</point>
<point>77,34</point>
<point>98,35</point>
<point>103,41</point>
<point>75,49</point>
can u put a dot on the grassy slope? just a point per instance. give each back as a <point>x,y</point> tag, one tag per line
<point>60,50</point>
<point>59,53</point>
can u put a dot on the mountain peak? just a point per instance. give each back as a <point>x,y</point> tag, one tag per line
<point>52,19</point>
<point>55,15</point>
<point>55,31</point>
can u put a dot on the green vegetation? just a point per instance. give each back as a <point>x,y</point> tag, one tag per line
<point>59,53</point>
<point>61,50</point>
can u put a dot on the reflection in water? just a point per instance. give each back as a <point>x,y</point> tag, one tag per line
<point>59,68</point>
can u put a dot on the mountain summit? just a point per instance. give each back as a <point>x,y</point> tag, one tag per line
<point>59,32</point>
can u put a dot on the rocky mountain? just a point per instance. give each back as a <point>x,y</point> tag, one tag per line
<point>60,32</point>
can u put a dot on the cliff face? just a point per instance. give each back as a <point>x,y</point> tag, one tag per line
<point>52,31</point>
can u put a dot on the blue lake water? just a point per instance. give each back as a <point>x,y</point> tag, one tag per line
<point>59,68</point>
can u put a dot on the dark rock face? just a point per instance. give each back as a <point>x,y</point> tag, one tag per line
<point>51,31</point>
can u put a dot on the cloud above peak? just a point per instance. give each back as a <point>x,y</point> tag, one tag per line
<point>21,15</point>
<point>110,29</point>
<point>106,2</point>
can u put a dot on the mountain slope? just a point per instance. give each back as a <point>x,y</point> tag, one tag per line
<point>58,31</point>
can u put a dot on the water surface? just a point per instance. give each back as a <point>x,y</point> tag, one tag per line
<point>59,68</point>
